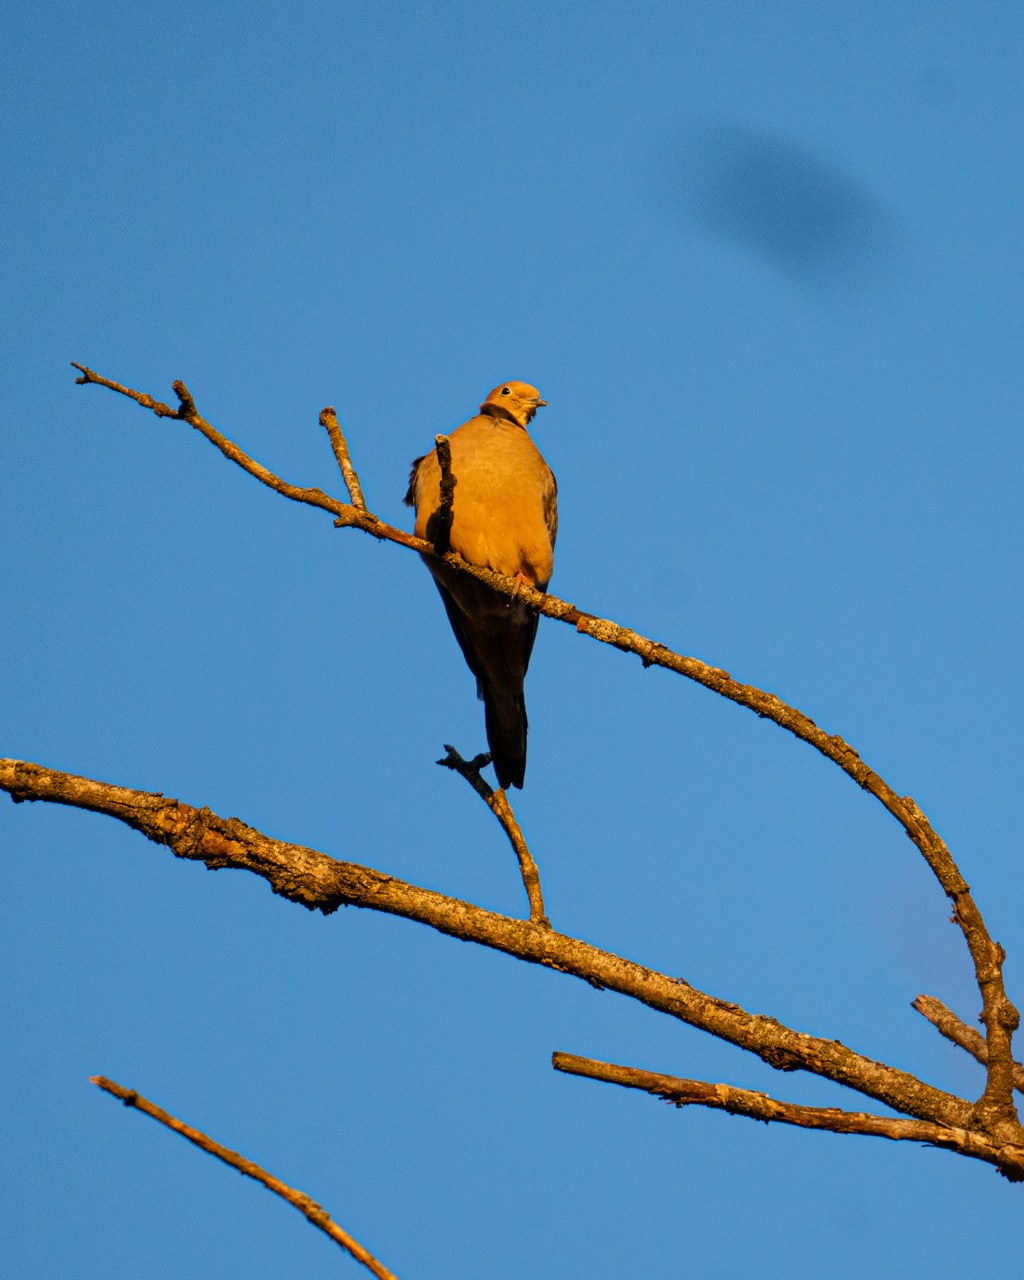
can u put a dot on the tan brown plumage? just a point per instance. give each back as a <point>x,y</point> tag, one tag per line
<point>505,518</point>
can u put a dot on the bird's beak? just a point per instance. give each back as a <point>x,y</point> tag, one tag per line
<point>541,404</point>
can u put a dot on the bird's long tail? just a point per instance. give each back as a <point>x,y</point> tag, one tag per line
<point>505,720</point>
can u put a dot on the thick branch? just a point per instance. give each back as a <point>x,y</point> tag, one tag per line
<point>298,1199</point>
<point>318,882</point>
<point>498,803</point>
<point>995,1110</point>
<point>759,1106</point>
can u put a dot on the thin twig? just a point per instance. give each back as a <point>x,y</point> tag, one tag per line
<point>442,520</point>
<point>499,805</point>
<point>346,514</point>
<point>966,1037</point>
<point>995,1110</point>
<point>760,1106</point>
<point>298,1199</point>
<point>329,419</point>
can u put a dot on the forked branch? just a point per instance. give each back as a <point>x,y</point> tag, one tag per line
<point>498,803</point>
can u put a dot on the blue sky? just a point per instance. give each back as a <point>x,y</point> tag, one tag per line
<point>764,263</point>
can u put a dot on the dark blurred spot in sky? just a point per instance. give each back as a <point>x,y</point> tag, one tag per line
<point>820,225</point>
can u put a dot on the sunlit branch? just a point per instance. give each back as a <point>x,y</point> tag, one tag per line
<point>319,882</point>
<point>499,805</point>
<point>759,1106</point>
<point>329,420</point>
<point>298,1199</point>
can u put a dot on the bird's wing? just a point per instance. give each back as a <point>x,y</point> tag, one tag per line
<point>549,500</point>
<point>410,494</point>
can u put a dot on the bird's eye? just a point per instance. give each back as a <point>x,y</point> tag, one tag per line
<point>506,391</point>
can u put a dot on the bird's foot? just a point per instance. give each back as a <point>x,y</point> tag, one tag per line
<point>521,580</point>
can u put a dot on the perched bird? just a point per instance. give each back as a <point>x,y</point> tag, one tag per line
<point>505,518</point>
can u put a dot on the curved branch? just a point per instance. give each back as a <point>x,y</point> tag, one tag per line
<point>318,882</point>
<point>297,1199</point>
<point>995,1110</point>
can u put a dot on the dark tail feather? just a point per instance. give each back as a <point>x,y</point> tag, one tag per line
<point>505,719</point>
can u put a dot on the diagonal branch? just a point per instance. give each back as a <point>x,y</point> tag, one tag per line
<point>995,1109</point>
<point>187,412</point>
<point>298,1199</point>
<point>499,805</point>
<point>759,1106</point>
<point>948,1024</point>
<point>318,882</point>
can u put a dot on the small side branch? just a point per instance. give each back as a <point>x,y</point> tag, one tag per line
<point>443,519</point>
<point>499,805</point>
<point>298,1199</point>
<point>681,1092</point>
<point>329,419</point>
<point>945,1021</point>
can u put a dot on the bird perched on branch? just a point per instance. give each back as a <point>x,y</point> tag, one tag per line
<point>503,516</point>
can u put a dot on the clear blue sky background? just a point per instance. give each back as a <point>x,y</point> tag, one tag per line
<point>764,261</point>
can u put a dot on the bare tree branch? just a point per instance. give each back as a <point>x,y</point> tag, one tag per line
<point>995,1109</point>
<point>499,805</point>
<point>759,1106</point>
<point>329,420</point>
<point>298,1199</point>
<point>187,412</point>
<point>443,519</point>
<point>948,1024</point>
<point>318,882</point>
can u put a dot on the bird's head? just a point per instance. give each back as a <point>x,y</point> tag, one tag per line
<point>517,401</point>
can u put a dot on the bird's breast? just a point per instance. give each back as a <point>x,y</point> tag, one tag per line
<point>498,510</point>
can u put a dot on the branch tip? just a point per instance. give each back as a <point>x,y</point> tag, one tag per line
<point>442,519</point>
<point>188,405</point>
<point>308,1207</point>
<point>329,421</point>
